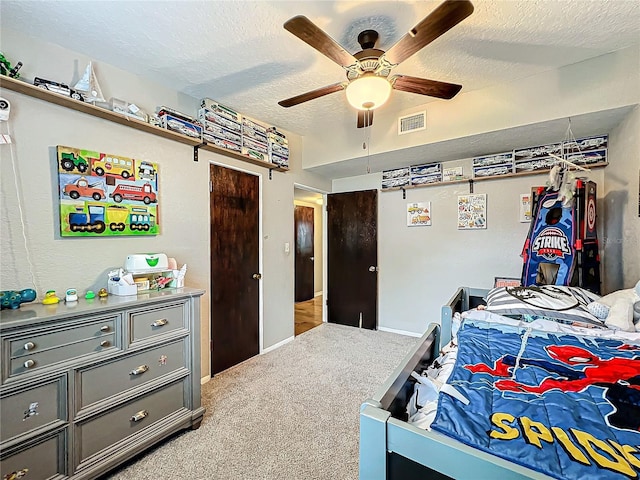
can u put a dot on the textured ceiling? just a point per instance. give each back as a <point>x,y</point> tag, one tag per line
<point>239,54</point>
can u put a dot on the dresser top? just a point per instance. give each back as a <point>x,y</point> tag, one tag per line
<point>30,314</point>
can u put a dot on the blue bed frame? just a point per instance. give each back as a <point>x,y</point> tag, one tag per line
<point>392,449</point>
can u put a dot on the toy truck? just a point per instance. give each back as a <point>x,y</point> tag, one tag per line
<point>82,188</point>
<point>142,193</point>
<point>79,221</point>
<point>70,161</point>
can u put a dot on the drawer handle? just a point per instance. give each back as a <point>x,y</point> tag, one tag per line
<point>139,416</point>
<point>139,371</point>
<point>29,363</point>
<point>105,328</point>
<point>160,323</point>
<point>29,346</point>
<point>105,343</point>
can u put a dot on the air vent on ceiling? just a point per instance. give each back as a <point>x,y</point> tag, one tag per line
<point>412,123</point>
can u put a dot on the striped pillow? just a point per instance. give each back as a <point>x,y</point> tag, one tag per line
<point>550,302</point>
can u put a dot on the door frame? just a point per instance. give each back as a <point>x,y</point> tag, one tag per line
<point>324,193</point>
<point>260,254</point>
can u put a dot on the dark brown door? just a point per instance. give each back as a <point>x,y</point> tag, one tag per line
<point>303,220</point>
<point>235,279</point>
<point>352,251</point>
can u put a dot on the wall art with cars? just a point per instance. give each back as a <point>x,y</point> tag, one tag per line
<point>102,194</point>
<point>585,152</point>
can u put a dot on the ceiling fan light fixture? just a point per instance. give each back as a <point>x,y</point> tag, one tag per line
<point>368,92</point>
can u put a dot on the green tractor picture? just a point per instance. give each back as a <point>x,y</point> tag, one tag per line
<point>69,162</point>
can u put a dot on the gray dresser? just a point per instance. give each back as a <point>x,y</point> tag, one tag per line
<point>87,386</point>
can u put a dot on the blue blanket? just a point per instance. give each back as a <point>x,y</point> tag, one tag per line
<point>563,405</point>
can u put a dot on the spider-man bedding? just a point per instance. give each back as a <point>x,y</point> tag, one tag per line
<point>563,404</point>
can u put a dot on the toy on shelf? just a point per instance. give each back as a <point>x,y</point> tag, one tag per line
<point>89,87</point>
<point>90,295</point>
<point>13,298</point>
<point>59,88</point>
<point>6,69</point>
<point>50,298</point>
<point>102,293</point>
<point>71,295</point>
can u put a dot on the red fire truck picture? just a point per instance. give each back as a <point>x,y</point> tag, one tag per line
<point>142,193</point>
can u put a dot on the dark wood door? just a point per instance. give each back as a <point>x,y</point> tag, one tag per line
<point>235,288</point>
<point>304,263</point>
<point>352,258</point>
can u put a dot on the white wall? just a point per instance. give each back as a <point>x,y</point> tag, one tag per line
<point>421,267</point>
<point>620,213</point>
<point>37,127</point>
<point>317,244</point>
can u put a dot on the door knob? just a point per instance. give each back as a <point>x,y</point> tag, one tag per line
<point>373,268</point>
<point>257,276</point>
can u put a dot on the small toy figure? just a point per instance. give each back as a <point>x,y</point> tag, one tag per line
<point>50,298</point>
<point>13,298</point>
<point>102,293</point>
<point>90,295</point>
<point>71,295</point>
<point>5,67</point>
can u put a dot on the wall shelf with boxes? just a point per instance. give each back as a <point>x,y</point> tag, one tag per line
<point>585,154</point>
<point>79,106</point>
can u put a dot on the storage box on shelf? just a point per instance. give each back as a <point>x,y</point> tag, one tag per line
<point>254,139</point>
<point>278,148</point>
<point>85,387</point>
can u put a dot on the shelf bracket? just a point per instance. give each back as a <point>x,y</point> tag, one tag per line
<point>195,151</point>
<point>404,193</point>
<point>270,173</point>
<point>471,185</point>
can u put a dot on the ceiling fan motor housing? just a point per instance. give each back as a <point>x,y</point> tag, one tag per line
<point>367,39</point>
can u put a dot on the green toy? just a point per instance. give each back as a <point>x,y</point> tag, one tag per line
<point>5,67</point>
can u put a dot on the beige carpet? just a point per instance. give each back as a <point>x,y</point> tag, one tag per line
<point>291,414</point>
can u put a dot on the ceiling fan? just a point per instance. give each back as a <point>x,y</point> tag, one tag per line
<point>369,82</point>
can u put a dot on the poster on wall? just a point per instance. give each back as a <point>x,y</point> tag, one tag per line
<point>102,194</point>
<point>418,214</point>
<point>472,211</point>
<point>525,208</point>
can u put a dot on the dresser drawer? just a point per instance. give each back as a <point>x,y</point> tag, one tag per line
<point>105,380</point>
<point>117,424</point>
<point>52,356</point>
<point>33,407</point>
<point>144,324</point>
<point>29,344</point>
<point>41,461</point>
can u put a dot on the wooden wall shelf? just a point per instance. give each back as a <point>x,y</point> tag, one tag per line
<point>482,179</point>
<point>41,94</point>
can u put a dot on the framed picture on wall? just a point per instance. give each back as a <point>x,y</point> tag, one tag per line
<point>418,214</point>
<point>525,208</point>
<point>472,211</point>
<point>102,194</point>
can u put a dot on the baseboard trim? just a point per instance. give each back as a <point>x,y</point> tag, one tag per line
<point>277,345</point>
<point>204,380</point>
<point>318,294</point>
<point>400,332</point>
